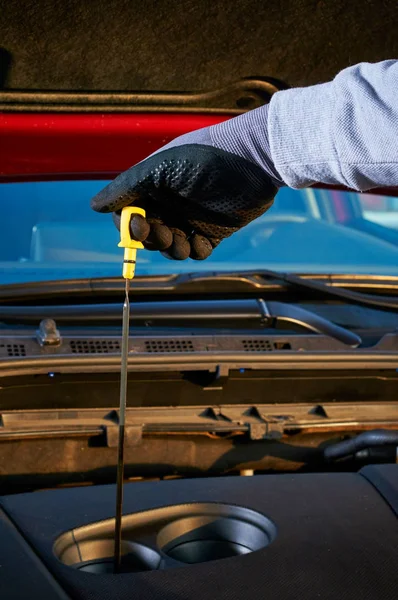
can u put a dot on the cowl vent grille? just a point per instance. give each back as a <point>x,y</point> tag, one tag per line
<point>257,345</point>
<point>169,346</point>
<point>12,350</point>
<point>260,345</point>
<point>94,346</point>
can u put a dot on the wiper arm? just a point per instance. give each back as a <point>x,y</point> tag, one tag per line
<point>255,280</point>
<point>294,315</point>
<point>348,295</point>
<point>249,312</point>
<point>216,282</point>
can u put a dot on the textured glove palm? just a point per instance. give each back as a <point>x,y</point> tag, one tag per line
<point>195,195</point>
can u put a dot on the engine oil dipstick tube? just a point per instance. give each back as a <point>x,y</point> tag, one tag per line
<point>130,252</point>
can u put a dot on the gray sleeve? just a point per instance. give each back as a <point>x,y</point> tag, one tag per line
<point>342,132</point>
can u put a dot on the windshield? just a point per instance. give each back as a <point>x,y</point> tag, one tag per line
<point>48,231</point>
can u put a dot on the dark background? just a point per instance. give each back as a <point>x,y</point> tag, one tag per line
<point>170,45</point>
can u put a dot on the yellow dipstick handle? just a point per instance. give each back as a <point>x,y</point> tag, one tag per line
<point>130,246</point>
<point>130,253</point>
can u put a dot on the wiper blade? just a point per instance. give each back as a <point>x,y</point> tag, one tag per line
<point>256,280</point>
<point>216,282</point>
<point>348,295</point>
<point>210,312</point>
<point>294,315</point>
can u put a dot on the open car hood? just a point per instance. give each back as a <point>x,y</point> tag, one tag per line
<point>188,45</point>
<point>86,92</point>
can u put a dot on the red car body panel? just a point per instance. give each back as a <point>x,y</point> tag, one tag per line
<point>85,146</point>
<point>59,146</point>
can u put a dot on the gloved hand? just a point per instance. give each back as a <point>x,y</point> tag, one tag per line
<point>199,189</point>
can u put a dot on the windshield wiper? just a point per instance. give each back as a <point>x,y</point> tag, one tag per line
<point>257,280</point>
<point>209,282</point>
<point>348,295</point>
<point>256,312</point>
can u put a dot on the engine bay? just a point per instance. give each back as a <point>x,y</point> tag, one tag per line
<point>331,535</point>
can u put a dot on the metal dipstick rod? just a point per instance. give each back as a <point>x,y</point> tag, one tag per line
<point>122,424</point>
<point>130,250</point>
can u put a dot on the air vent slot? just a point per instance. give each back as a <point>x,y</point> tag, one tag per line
<point>257,345</point>
<point>14,349</point>
<point>94,346</point>
<point>261,345</point>
<point>282,346</point>
<point>169,346</point>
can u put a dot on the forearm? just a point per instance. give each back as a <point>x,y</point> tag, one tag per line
<point>207,184</point>
<point>342,132</point>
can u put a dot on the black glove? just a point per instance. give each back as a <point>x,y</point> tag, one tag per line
<point>194,195</point>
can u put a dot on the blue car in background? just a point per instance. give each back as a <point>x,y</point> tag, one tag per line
<point>48,231</point>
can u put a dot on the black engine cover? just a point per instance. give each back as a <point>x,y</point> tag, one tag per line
<point>336,537</point>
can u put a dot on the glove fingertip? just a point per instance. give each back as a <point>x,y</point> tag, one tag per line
<point>180,249</point>
<point>139,228</point>
<point>201,247</point>
<point>159,238</point>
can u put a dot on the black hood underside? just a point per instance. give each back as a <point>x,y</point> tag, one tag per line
<point>162,45</point>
